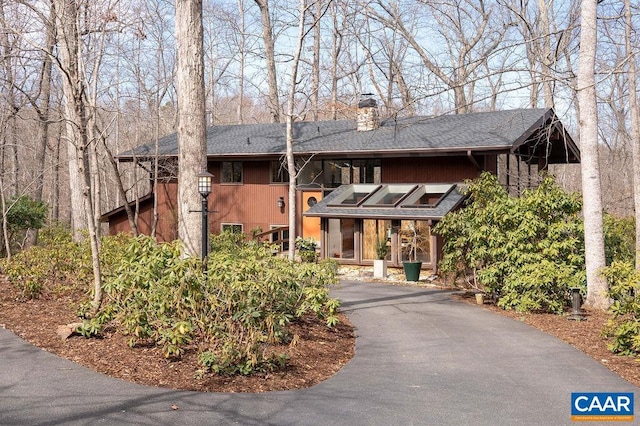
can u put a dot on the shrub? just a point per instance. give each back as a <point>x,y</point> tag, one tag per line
<point>624,327</point>
<point>528,249</point>
<point>233,312</point>
<point>23,213</point>
<point>619,239</point>
<point>307,249</point>
<point>382,249</point>
<point>56,261</point>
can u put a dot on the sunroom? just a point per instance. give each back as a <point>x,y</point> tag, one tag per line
<point>356,218</point>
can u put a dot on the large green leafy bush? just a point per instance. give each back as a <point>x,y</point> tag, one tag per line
<point>528,250</point>
<point>56,261</point>
<point>619,239</point>
<point>234,312</point>
<point>624,327</point>
<point>21,215</point>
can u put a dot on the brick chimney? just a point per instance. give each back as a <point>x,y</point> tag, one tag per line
<point>368,117</point>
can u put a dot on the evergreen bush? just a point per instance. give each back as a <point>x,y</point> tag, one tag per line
<point>624,327</point>
<point>233,312</point>
<point>528,250</point>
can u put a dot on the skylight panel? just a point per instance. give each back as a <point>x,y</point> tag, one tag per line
<point>354,195</point>
<point>389,196</point>
<point>427,196</point>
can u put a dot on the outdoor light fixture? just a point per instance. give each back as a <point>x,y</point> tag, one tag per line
<point>281,202</point>
<point>204,183</point>
<point>204,188</point>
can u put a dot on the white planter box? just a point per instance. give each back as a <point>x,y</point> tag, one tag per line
<point>380,268</point>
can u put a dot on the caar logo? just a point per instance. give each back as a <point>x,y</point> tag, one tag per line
<point>602,407</point>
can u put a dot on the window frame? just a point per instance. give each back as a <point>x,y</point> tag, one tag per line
<point>277,165</point>
<point>223,176</point>
<point>224,226</point>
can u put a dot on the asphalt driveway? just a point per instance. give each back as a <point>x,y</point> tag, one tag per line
<point>421,359</point>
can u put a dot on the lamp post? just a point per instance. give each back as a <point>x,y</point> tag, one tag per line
<point>204,188</point>
<point>576,300</point>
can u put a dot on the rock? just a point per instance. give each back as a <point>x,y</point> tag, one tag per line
<point>65,331</point>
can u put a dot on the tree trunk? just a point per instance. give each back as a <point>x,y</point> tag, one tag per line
<point>267,36</point>
<point>546,60</point>
<point>241,61</point>
<point>315,81</point>
<point>191,120</point>
<point>45,101</point>
<point>635,123</point>
<point>591,189</point>
<point>68,45</point>
<point>76,125</point>
<point>291,166</point>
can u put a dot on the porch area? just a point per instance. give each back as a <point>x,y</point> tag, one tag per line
<point>358,220</point>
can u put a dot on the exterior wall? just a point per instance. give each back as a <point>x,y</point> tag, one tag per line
<point>252,203</point>
<point>118,223</point>
<point>429,169</point>
<point>166,228</point>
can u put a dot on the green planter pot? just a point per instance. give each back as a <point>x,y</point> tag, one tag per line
<point>412,270</point>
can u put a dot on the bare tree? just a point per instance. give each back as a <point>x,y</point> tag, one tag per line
<point>75,112</point>
<point>635,121</point>
<point>191,119</point>
<point>242,29</point>
<point>291,164</point>
<point>269,51</point>
<point>591,190</point>
<point>468,33</point>
<point>315,68</point>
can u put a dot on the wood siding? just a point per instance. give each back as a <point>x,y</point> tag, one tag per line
<point>253,203</point>
<point>167,226</point>
<point>429,169</point>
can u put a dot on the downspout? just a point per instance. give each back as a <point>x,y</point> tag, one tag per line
<point>473,160</point>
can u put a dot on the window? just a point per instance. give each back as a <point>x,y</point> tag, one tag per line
<point>428,196</point>
<point>279,172</point>
<point>356,171</point>
<point>414,235</point>
<point>310,172</point>
<point>373,233</point>
<point>341,238</point>
<point>333,173</point>
<point>232,172</point>
<point>366,171</point>
<point>234,228</point>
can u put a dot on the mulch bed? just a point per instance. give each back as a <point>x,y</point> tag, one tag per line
<point>317,354</point>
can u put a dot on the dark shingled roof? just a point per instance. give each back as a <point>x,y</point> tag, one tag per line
<point>482,131</point>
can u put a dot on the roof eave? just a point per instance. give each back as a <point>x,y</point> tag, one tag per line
<point>391,152</point>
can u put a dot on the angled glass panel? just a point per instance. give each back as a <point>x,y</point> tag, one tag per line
<point>427,196</point>
<point>354,195</point>
<point>389,195</point>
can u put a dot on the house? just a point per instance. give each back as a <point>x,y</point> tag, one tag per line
<point>361,181</point>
